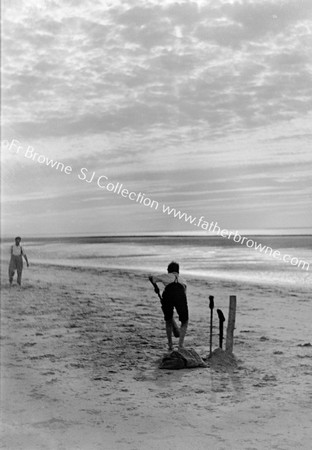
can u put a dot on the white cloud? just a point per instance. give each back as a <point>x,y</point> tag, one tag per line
<point>165,96</point>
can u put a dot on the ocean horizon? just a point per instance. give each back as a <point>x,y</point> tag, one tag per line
<point>199,256</point>
<point>300,231</point>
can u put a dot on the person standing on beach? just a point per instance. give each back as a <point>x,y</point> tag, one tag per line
<point>16,261</point>
<point>174,296</point>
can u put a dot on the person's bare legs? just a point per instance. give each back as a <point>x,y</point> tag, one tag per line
<point>169,333</point>
<point>182,334</point>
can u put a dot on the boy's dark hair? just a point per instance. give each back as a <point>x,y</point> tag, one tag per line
<point>19,238</point>
<point>173,267</point>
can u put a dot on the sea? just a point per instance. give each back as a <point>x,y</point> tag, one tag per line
<point>199,256</point>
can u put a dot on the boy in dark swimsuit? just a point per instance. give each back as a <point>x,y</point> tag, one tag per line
<point>174,296</point>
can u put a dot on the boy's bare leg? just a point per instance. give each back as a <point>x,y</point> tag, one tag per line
<point>11,274</point>
<point>182,334</point>
<point>19,278</point>
<point>169,333</point>
<point>19,270</point>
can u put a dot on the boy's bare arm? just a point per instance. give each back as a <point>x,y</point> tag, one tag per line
<point>152,280</point>
<point>25,257</point>
<point>156,288</point>
<point>157,279</point>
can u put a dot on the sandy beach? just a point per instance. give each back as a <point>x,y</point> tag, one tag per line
<point>80,350</point>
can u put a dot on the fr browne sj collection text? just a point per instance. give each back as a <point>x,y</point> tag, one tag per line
<point>117,188</point>
<point>83,174</point>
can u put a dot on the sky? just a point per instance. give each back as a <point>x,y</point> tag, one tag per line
<point>204,106</point>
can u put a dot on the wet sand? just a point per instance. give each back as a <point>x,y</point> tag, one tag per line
<point>80,350</point>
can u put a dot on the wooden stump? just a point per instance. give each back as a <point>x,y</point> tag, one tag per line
<point>231,325</point>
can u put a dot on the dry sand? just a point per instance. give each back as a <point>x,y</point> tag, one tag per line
<point>80,350</point>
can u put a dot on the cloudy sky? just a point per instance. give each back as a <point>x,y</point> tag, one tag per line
<point>201,105</point>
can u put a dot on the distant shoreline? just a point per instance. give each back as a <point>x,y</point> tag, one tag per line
<point>143,236</point>
<point>193,278</point>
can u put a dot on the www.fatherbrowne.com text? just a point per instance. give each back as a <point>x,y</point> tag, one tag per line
<point>117,188</point>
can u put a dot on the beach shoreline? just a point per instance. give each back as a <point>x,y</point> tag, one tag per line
<point>80,350</point>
